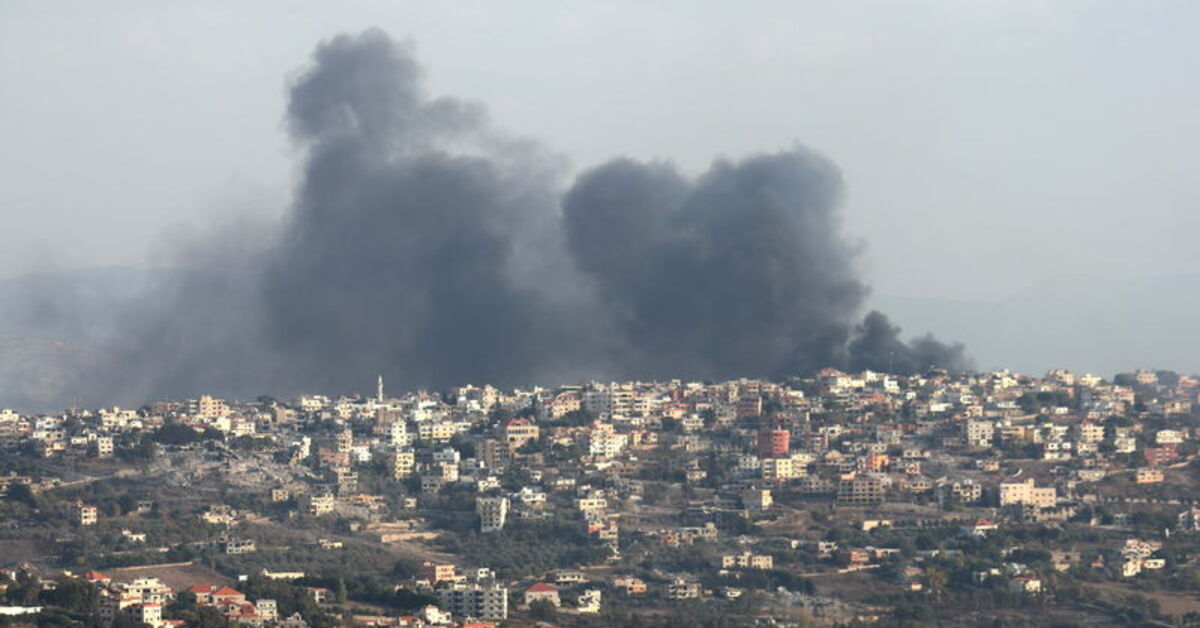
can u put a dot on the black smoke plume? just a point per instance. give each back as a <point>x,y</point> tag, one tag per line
<point>408,251</point>
<point>877,345</point>
<point>741,271</point>
<point>424,245</point>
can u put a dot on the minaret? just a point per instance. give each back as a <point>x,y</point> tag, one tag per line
<point>379,389</point>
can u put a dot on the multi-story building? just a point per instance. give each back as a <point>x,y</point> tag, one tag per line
<point>129,605</point>
<point>757,500</point>
<point>1148,475</point>
<point>1089,432</point>
<point>403,464</point>
<point>398,434</point>
<point>475,600</point>
<point>603,442</point>
<point>492,513</point>
<point>103,447</point>
<point>747,560</point>
<point>681,589</point>
<point>84,514</point>
<point>319,505</point>
<point>773,443</point>
<point>210,408</point>
<point>591,504</point>
<point>436,573</point>
<point>149,590</point>
<point>436,431</point>
<point>518,432</point>
<point>1027,493</point>
<point>979,433</point>
<point>783,469</point>
<point>1161,455</point>
<point>493,453</point>
<point>860,489</point>
<point>598,401</point>
<point>966,491</point>
<point>564,403</point>
<point>749,405</point>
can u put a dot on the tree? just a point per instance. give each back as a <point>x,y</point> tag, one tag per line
<point>405,568</point>
<point>24,592</point>
<point>22,493</point>
<point>543,610</point>
<point>209,617</point>
<point>340,591</point>
<point>174,433</point>
<point>74,594</point>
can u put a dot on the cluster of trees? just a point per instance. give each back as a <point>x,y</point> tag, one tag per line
<point>689,614</point>
<point>700,556</point>
<point>763,580</point>
<point>184,607</point>
<point>71,602</point>
<point>174,433</point>
<point>362,558</point>
<point>527,547</point>
<point>574,418</point>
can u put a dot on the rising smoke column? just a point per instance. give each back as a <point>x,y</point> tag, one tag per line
<point>876,345</point>
<point>421,243</point>
<point>425,246</point>
<point>742,271</point>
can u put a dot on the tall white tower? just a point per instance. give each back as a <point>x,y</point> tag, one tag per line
<point>379,389</point>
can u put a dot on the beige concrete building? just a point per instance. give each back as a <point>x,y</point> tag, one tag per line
<point>1027,493</point>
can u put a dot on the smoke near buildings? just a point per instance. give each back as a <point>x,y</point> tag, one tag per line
<point>425,245</point>
<point>740,271</point>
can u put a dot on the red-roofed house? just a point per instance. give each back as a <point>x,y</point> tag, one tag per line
<point>228,595</point>
<point>980,528</point>
<point>519,431</point>
<point>243,612</point>
<point>95,577</point>
<point>542,592</point>
<point>203,593</point>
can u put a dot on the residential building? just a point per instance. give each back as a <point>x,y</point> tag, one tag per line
<point>475,600</point>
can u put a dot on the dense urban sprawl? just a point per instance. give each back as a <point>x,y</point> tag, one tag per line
<point>836,499</point>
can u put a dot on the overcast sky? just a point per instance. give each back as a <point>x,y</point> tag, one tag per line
<point>986,145</point>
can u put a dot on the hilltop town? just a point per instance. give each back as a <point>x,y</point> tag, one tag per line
<point>835,499</point>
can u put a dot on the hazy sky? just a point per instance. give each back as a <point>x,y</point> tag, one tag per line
<point>986,145</point>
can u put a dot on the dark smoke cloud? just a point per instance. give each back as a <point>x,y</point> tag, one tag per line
<point>877,346</point>
<point>742,271</point>
<point>401,255</point>
<point>424,245</point>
